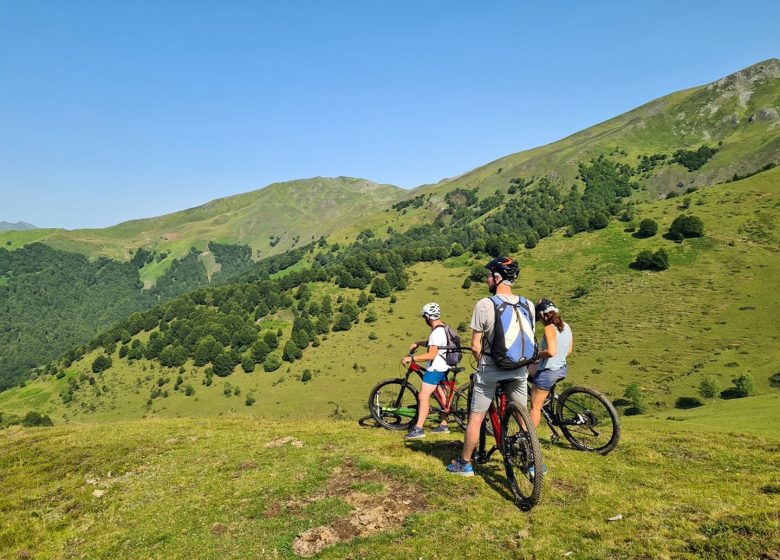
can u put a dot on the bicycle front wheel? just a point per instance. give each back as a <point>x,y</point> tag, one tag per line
<point>393,404</point>
<point>588,420</point>
<point>522,456</point>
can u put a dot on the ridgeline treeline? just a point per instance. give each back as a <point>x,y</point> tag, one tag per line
<point>220,327</point>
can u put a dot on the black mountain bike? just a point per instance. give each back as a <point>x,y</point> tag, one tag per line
<point>585,417</point>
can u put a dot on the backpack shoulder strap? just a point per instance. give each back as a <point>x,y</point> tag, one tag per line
<point>444,326</point>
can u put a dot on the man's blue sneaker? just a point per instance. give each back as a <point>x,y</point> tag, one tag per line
<point>460,467</point>
<point>441,430</point>
<point>532,471</point>
<point>415,433</point>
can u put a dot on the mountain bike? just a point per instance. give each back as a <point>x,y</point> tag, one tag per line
<point>393,402</point>
<point>518,444</point>
<point>585,417</point>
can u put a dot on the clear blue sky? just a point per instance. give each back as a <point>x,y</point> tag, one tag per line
<point>115,110</point>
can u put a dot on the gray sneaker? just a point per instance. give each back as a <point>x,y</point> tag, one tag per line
<point>441,430</point>
<point>415,433</point>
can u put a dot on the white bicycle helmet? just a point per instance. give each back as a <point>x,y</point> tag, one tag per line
<point>431,310</point>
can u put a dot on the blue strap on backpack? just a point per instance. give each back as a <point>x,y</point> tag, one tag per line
<point>514,342</point>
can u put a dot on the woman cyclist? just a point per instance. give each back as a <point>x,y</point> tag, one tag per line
<point>557,344</point>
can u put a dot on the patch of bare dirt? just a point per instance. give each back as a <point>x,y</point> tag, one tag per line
<point>379,504</point>
<point>284,441</point>
<point>273,510</point>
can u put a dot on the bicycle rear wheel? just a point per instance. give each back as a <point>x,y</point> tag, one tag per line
<point>393,404</point>
<point>460,406</point>
<point>588,420</point>
<point>521,451</point>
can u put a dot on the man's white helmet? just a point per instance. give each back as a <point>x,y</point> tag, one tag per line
<point>431,310</point>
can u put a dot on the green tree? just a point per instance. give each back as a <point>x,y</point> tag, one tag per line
<point>343,323</point>
<point>36,419</point>
<point>466,284</point>
<point>456,249</point>
<point>708,388</point>
<point>259,351</point>
<point>685,226</point>
<point>743,385</point>
<point>207,350</point>
<point>272,363</point>
<point>636,397</point>
<point>599,220</point>
<point>291,351</point>
<point>380,288</point>
<point>101,363</point>
<point>248,364</point>
<point>647,228</point>
<point>271,340</point>
<point>245,336</point>
<point>223,365</point>
<point>306,376</point>
<point>370,316</point>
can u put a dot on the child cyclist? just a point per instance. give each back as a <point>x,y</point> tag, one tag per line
<point>435,372</point>
<point>557,344</point>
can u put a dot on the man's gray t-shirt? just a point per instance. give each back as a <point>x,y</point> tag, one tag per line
<point>484,319</point>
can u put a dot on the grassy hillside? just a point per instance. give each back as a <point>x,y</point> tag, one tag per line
<point>667,330</point>
<point>239,488</point>
<point>296,212</point>
<point>739,115</point>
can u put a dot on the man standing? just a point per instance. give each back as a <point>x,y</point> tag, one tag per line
<point>502,272</point>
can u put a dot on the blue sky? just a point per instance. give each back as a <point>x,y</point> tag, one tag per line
<point>117,110</point>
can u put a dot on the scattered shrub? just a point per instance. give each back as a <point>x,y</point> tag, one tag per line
<point>647,228</point>
<point>708,388</point>
<point>636,397</point>
<point>647,260</point>
<point>685,226</point>
<point>36,419</point>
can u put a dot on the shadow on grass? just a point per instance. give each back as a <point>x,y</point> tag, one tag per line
<point>731,393</point>
<point>446,450</point>
<point>368,421</point>
<point>687,402</point>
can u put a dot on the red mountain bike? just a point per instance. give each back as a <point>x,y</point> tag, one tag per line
<point>393,402</point>
<point>510,424</point>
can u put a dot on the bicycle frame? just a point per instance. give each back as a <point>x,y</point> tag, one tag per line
<point>495,413</point>
<point>446,386</point>
<point>549,414</point>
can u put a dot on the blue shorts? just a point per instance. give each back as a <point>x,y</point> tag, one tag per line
<point>546,378</point>
<point>434,377</point>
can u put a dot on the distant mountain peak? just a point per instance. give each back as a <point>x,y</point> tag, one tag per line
<point>8,226</point>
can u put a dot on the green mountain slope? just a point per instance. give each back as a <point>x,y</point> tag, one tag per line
<point>739,115</point>
<point>295,212</point>
<point>667,330</point>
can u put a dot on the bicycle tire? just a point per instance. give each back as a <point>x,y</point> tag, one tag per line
<point>460,406</point>
<point>580,410</point>
<point>521,449</point>
<point>390,406</point>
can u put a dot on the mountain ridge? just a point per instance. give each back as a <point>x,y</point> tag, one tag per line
<point>17,226</point>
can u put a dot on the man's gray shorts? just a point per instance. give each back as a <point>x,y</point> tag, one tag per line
<point>486,380</point>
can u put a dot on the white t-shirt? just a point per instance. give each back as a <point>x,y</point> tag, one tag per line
<point>438,338</point>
